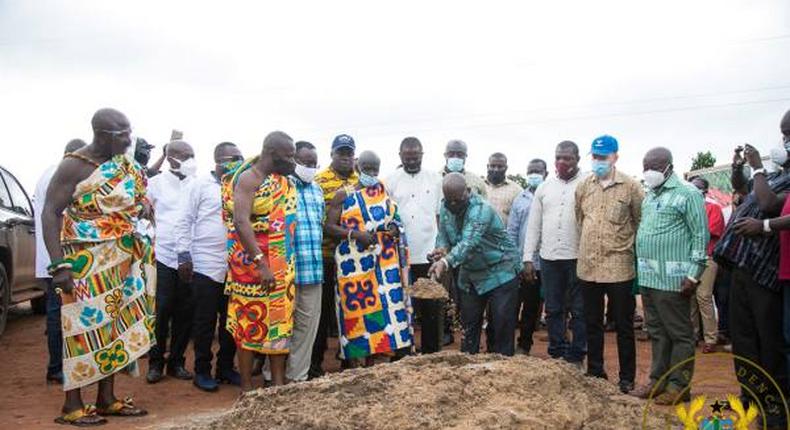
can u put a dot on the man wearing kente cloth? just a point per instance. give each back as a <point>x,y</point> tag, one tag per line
<point>261,201</point>
<point>102,267</point>
<point>373,313</point>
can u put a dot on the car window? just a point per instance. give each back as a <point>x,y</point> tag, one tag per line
<point>5,199</point>
<point>19,201</point>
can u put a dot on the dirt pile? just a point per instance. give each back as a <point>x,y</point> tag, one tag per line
<point>425,288</point>
<point>448,390</point>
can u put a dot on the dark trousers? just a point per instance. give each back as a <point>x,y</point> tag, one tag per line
<point>430,314</point>
<point>622,305</point>
<point>174,309</point>
<point>756,321</point>
<point>672,335</point>
<point>563,295</point>
<point>502,302</point>
<point>721,295</point>
<point>54,331</point>
<point>210,304</point>
<point>529,309</point>
<point>786,328</point>
<point>328,315</point>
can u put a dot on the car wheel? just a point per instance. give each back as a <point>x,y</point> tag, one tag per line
<point>39,304</point>
<point>5,298</point>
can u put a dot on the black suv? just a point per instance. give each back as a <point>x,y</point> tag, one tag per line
<point>18,281</point>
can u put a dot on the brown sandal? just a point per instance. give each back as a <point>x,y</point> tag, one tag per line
<point>124,408</point>
<point>85,417</point>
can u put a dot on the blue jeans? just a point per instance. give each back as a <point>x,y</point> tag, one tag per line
<point>54,331</point>
<point>563,295</point>
<point>502,302</point>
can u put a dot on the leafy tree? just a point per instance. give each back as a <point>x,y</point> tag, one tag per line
<point>703,160</point>
<point>519,179</point>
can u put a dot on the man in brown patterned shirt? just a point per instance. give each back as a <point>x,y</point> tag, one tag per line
<point>608,210</point>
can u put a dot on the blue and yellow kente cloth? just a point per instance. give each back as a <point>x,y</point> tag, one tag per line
<point>373,312</point>
<point>110,323</point>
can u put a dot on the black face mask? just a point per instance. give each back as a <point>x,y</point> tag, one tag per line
<point>456,208</point>
<point>496,177</point>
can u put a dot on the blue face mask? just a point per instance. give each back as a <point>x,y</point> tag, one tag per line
<point>534,180</point>
<point>455,164</point>
<point>601,168</point>
<point>366,180</point>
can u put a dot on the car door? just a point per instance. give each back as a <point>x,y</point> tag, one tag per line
<point>19,220</point>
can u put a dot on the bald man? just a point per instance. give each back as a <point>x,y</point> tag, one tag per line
<point>670,247</point>
<point>54,334</point>
<point>101,262</point>
<point>473,240</point>
<point>260,202</point>
<point>174,306</point>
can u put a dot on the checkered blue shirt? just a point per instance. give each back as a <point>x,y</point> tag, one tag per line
<point>309,233</point>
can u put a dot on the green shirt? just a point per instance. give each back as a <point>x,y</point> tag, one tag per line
<point>672,236</point>
<point>479,246</point>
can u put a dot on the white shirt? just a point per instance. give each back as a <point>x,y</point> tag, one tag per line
<point>552,228</point>
<point>419,197</point>
<point>201,232</point>
<point>39,197</point>
<point>168,195</point>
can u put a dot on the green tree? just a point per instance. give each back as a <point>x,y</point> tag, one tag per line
<point>703,160</point>
<point>519,179</point>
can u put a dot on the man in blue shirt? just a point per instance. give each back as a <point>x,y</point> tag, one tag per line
<point>472,238</point>
<point>529,297</point>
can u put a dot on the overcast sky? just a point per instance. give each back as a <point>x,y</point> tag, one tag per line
<point>515,77</point>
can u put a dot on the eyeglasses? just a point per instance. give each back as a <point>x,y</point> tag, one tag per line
<point>116,133</point>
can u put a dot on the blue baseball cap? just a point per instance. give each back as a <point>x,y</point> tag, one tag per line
<point>604,145</point>
<point>343,141</point>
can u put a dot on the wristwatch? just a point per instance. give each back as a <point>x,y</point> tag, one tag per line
<point>760,171</point>
<point>767,225</point>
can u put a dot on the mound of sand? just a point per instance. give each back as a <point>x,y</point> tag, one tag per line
<point>425,288</point>
<point>448,390</point>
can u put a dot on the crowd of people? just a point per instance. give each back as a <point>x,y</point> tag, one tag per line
<point>272,257</point>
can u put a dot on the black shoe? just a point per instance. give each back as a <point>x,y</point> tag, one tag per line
<point>55,378</point>
<point>205,382</point>
<point>230,376</point>
<point>626,387</point>
<point>597,375</point>
<point>179,372</point>
<point>314,372</point>
<point>448,339</point>
<point>154,375</point>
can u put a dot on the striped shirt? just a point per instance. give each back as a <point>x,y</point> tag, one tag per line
<point>330,182</point>
<point>672,237</point>
<point>759,255</point>
<point>309,233</point>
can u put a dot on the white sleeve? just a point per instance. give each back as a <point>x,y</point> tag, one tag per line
<point>534,226</point>
<point>187,218</point>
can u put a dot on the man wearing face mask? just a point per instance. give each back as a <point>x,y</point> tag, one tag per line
<point>201,239</point>
<point>500,191</point>
<point>473,240</point>
<point>756,310</point>
<point>373,311</point>
<point>339,175</point>
<point>552,232</point>
<point>670,248</point>
<point>418,194</point>
<point>608,211</point>
<point>174,305</point>
<point>455,154</point>
<point>309,261</point>
<point>529,295</point>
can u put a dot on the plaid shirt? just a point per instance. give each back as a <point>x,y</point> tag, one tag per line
<point>758,256</point>
<point>309,233</point>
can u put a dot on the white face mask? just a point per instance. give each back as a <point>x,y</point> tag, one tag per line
<point>654,178</point>
<point>187,167</point>
<point>779,154</point>
<point>305,173</point>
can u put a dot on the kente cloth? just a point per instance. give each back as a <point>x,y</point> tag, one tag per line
<point>110,323</point>
<point>262,321</point>
<point>373,312</point>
